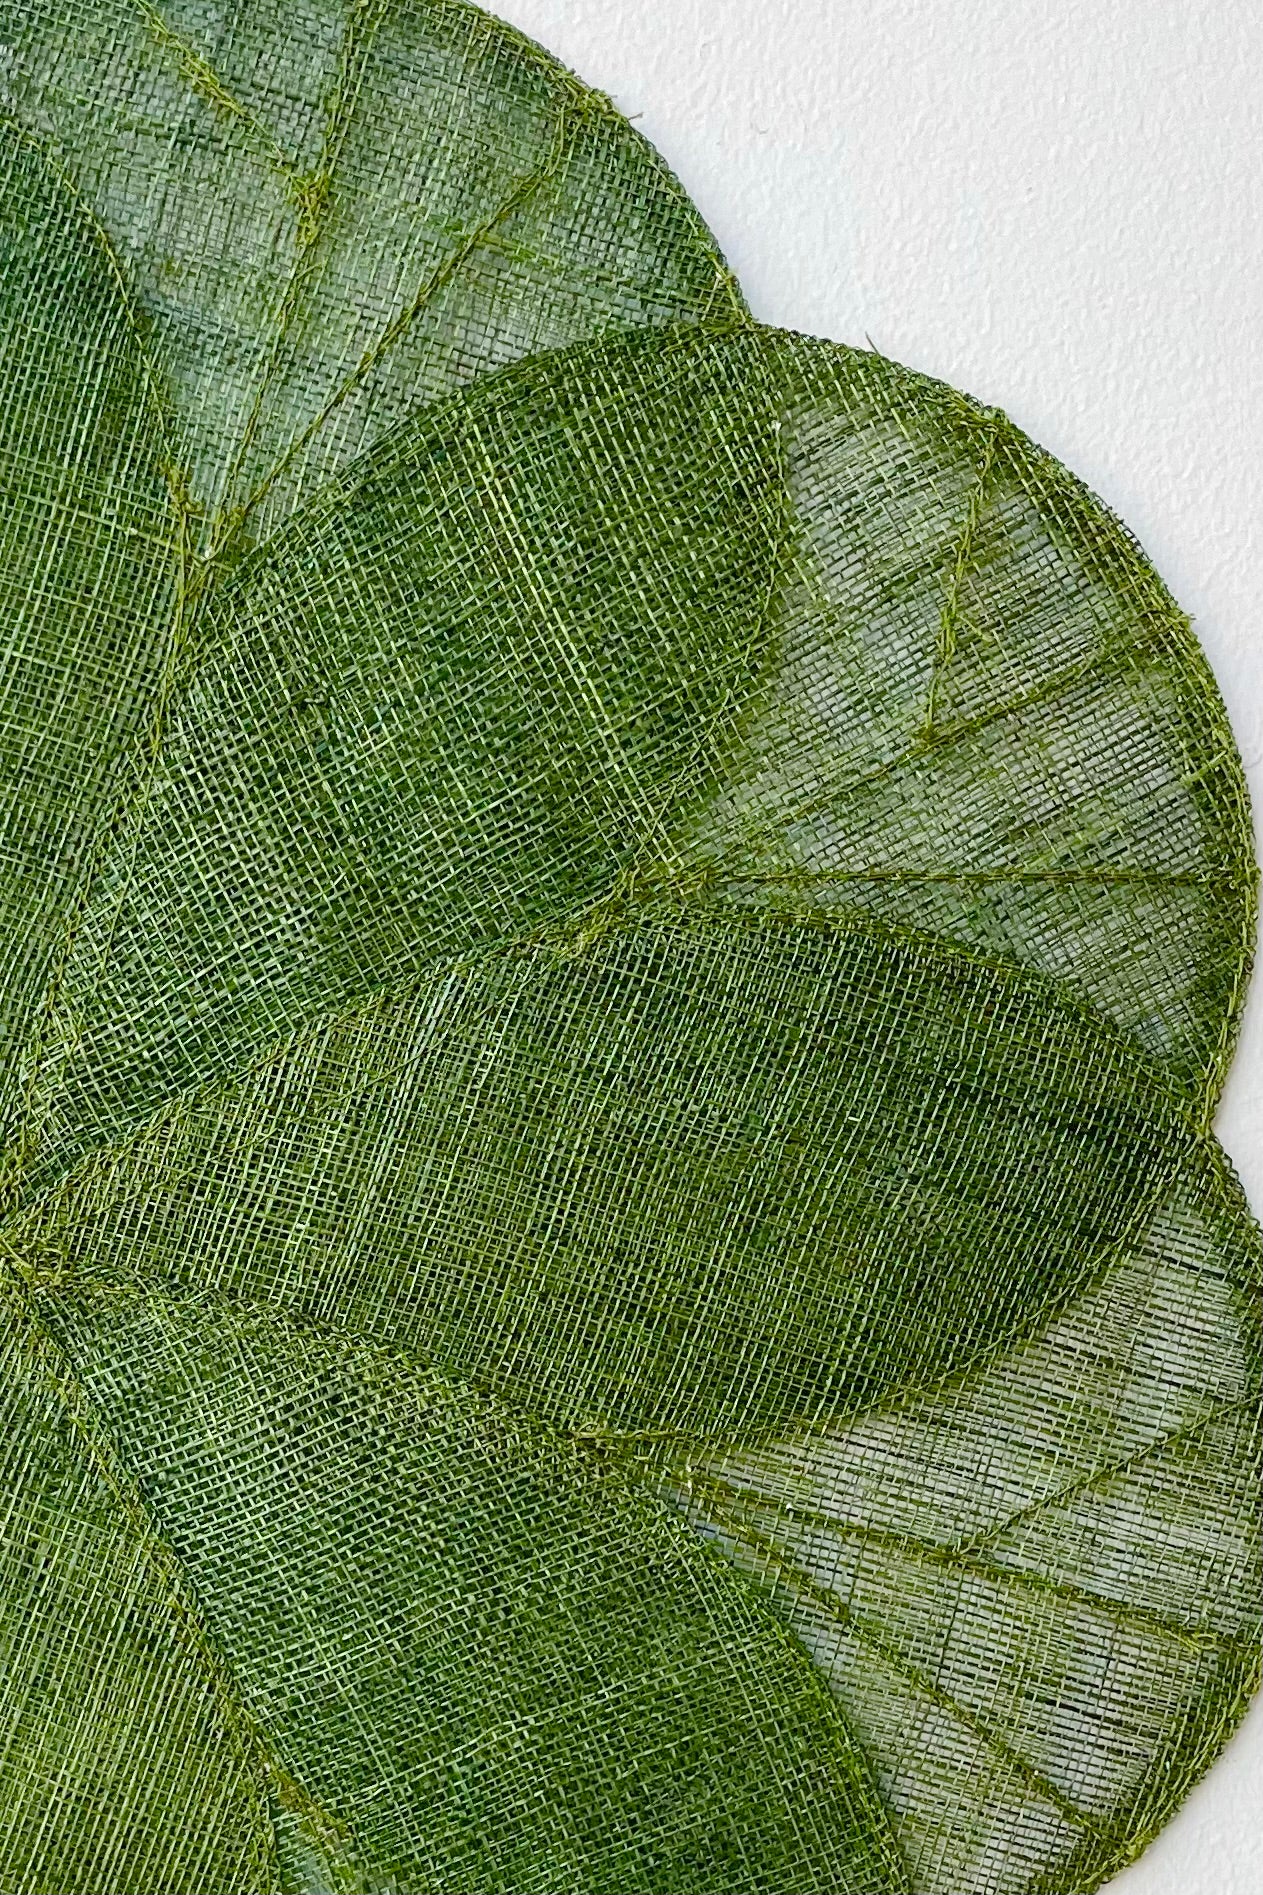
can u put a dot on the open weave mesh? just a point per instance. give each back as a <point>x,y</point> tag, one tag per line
<point>621,931</point>
<point>552,1655</point>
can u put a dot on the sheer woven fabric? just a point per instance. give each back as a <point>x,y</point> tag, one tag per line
<point>621,934</point>
<point>987,717</point>
<point>552,1657</point>
<point>1036,1589</point>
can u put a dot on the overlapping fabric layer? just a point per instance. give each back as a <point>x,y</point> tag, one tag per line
<point>622,930</point>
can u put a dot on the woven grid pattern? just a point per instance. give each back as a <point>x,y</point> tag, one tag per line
<point>114,1730</point>
<point>563,580</point>
<point>333,211</point>
<point>707,1176</point>
<point>1038,1591</point>
<point>86,571</point>
<point>621,934</point>
<point>552,1656</point>
<point>987,717</point>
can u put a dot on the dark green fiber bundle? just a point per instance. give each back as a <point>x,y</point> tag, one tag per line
<point>621,933</point>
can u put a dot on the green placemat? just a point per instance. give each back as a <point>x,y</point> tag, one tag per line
<point>621,931</point>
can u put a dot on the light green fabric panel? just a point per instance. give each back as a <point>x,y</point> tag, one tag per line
<point>1038,1590</point>
<point>988,718</point>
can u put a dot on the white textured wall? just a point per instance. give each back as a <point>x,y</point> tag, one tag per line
<point>1057,205</point>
